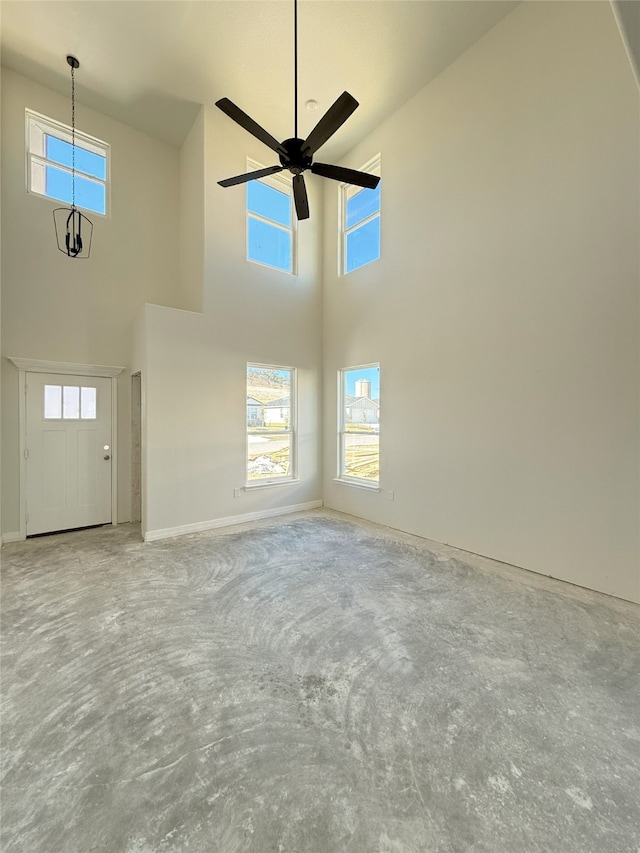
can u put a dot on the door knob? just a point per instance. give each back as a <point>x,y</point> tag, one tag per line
<point>107,456</point>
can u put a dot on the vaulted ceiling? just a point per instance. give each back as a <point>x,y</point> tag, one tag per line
<point>152,63</point>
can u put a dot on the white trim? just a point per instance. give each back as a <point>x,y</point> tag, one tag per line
<point>36,365</point>
<point>369,485</point>
<point>22,421</point>
<point>228,521</point>
<point>67,368</point>
<point>13,536</point>
<point>266,484</point>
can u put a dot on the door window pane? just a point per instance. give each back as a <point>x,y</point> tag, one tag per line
<point>88,403</point>
<point>53,401</point>
<point>71,401</point>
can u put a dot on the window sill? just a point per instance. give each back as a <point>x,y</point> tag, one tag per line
<point>371,487</point>
<point>250,487</point>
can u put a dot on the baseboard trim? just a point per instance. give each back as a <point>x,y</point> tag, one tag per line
<point>12,536</point>
<point>227,521</point>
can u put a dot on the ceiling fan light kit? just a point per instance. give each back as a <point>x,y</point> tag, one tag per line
<point>74,230</point>
<point>296,154</point>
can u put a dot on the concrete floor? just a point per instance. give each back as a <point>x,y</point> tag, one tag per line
<point>310,685</point>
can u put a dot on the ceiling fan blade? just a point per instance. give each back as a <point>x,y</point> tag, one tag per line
<point>300,197</point>
<point>334,118</point>
<point>347,176</point>
<point>249,124</point>
<point>250,176</point>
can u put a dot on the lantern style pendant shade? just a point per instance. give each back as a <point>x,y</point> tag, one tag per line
<point>74,230</point>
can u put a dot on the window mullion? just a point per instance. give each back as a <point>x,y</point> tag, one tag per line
<point>44,161</point>
<point>268,221</point>
<point>362,222</point>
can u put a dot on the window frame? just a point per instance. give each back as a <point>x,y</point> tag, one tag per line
<point>292,431</point>
<point>37,122</point>
<point>277,181</point>
<point>342,476</point>
<point>348,191</point>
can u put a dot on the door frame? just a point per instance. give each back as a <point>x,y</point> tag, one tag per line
<point>33,365</point>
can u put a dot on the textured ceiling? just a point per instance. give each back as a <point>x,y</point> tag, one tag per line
<point>152,63</point>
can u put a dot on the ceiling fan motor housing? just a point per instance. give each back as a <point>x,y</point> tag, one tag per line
<point>295,160</point>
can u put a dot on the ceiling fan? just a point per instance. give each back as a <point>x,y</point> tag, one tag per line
<point>296,154</point>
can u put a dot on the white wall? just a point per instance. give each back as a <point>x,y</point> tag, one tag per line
<point>194,365</point>
<point>54,308</point>
<point>504,310</point>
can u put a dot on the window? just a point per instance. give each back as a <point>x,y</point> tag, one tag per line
<point>359,427</point>
<point>270,221</point>
<point>50,160</point>
<point>69,402</point>
<point>271,401</point>
<point>360,222</point>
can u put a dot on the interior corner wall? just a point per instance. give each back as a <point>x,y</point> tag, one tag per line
<point>194,381</point>
<point>192,216</point>
<point>627,13</point>
<point>82,311</point>
<point>504,308</point>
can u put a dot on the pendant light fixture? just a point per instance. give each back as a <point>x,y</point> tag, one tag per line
<point>73,229</point>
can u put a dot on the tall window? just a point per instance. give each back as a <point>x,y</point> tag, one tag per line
<point>360,222</point>
<point>359,427</point>
<point>270,222</point>
<point>271,423</point>
<point>50,162</point>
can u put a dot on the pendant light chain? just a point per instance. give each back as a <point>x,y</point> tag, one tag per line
<point>73,137</point>
<point>73,229</point>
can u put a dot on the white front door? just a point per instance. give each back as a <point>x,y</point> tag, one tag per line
<point>68,455</point>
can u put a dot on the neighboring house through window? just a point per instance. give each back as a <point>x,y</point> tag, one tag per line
<point>271,434</point>
<point>359,425</point>
<point>360,217</point>
<point>270,221</point>
<point>50,160</point>
<point>254,412</point>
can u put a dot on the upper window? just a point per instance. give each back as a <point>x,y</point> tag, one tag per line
<point>359,426</point>
<point>360,222</point>
<point>270,221</point>
<point>50,161</point>
<point>271,417</point>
